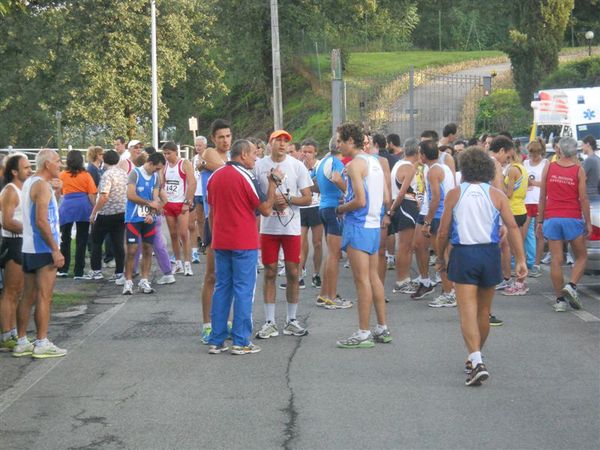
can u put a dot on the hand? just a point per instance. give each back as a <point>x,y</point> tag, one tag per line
<point>386,221</point>
<point>426,229</point>
<point>92,217</point>
<point>280,202</point>
<point>56,184</point>
<point>278,176</point>
<point>503,232</point>
<point>336,177</point>
<point>154,205</point>
<point>149,218</point>
<point>538,231</point>
<point>521,270</point>
<point>588,230</point>
<point>440,265</point>
<point>58,259</point>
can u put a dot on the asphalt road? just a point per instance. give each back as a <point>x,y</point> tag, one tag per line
<point>137,377</point>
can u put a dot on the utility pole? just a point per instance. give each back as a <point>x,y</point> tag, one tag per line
<point>154,78</point>
<point>318,62</point>
<point>277,102</point>
<point>58,116</point>
<point>440,29</point>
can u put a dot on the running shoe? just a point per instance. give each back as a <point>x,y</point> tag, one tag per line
<point>321,300</point>
<point>437,279</point>
<point>391,263</point>
<point>195,257</point>
<point>432,260</point>
<point>316,280</point>
<point>293,328</point>
<point>49,350</point>
<point>547,258</point>
<point>128,287</point>
<point>268,330</point>
<point>570,260</point>
<point>468,366</point>
<point>281,272</point>
<point>535,271</point>
<point>517,288</point>
<point>205,335</point>
<point>245,349</point>
<point>84,277</point>
<point>355,341</point>
<point>145,287</point>
<point>166,279</point>
<point>405,287</point>
<point>347,265</point>
<point>495,322</point>
<point>62,274</point>
<point>260,266</point>
<point>9,344</point>
<point>503,285</point>
<point>301,284</point>
<point>172,259</point>
<point>114,277</point>
<point>385,337</point>
<point>178,269</point>
<point>445,300</point>
<point>560,306</point>
<point>478,375</point>
<point>203,249</point>
<point>95,275</point>
<point>571,294</point>
<point>337,303</point>
<point>23,350</point>
<point>120,279</point>
<point>187,269</point>
<point>216,349</point>
<point>422,291</point>
<point>111,264</point>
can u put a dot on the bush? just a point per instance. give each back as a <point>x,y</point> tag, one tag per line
<point>502,111</point>
<point>583,73</point>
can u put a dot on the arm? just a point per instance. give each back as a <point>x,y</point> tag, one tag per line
<point>387,196</point>
<point>497,181</point>
<point>539,220</point>
<point>212,160</point>
<point>191,182</point>
<point>266,207</point>
<point>102,199</point>
<point>513,175</point>
<point>41,195</point>
<point>444,229</point>
<point>514,234</point>
<point>585,202</point>
<point>304,200</point>
<point>356,173</point>
<point>10,201</point>
<point>405,174</point>
<point>434,176</point>
<point>338,180</point>
<point>133,197</point>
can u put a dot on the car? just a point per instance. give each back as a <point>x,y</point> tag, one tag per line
<point>593,240</point>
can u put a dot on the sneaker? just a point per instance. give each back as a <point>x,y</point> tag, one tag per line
<point>355,341</point>
<point>245,349</point>
<point>203,249</point>
<point>8,345</point>
<point>385,337</point>
<point>445,300</point>
<point>432,260</point>
<point>495,322</point>
<point>195,257</point>
<point>110,264</point>
<point>172,259</point>
<point>422,291</point>
<point>260,266</point>
<point>128,287</point>
<point>187,269</point>
<point>96,275</point>
<point>570,260</point>
<point>301,284</point>
<point>560,306</point>
<point>85,277</point>
<point>268,330</point>
<point>62,274</point>
<point>120,281</point>
<point>547,258</point>
<point>216,349</point>
<point>281,272</point>
<point>47,351</point>
<point>347,265</point>
<point>337,303</point>
<point>205,335</point>
<point>468,366</point>
<point>145,287</point>
<point>517,288</point>
<point>437,279</point>
<point>535,271</point>
<point>571,294</point>
<point>503,285</point>
<point>280,265</point>
<point>293,328</point>
<point>23,350</point>
<point>405,287</point>
<point>166,279</point>
<point>478,375</point>
<point>391,264</point>
<point>316,280</point>
<point>321,300</point>
<point>178,269</point>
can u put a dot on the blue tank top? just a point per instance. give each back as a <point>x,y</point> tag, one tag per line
<point>475,219</point>
<point>33,242</point>
<point>330,194</point>
<point>445,186</point>
<point>143,187</point>
<point>204,176</point>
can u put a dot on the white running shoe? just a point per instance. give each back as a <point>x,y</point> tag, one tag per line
<point>120,281</point>
<point>187,269</point>
<point>281,273</point>
<point>268,330</point>
<point>128,287</point>
<point>178,269</point>
<point>145,287</point>
<point>49,350</point>
<point>166,279</point>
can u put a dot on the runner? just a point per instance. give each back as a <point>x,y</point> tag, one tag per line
<point>361,236</point>
<point>472,211</point>
<point>142,204</point>
<point>41,255</point>
<point>197,216</point>
<point>282,230</point>
<point>129,160</point>
<point>180,186</point>
<point>16,172</point>
<point>120,147</point>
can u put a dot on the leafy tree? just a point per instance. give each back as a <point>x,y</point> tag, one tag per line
<point>584,73</point>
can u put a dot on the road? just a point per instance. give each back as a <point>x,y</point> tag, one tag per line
<point>137,377</point>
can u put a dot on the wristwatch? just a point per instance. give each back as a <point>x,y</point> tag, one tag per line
<point>390,213</point>
<point>427,224</point>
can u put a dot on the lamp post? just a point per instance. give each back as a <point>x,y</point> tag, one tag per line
<point>589,35</point>
<point>58,117</point>
<point>277,102</point>
<point>154,77</point>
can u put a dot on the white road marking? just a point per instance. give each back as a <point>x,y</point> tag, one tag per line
<point>586,316</point>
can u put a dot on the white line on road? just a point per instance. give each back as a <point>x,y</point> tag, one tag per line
<point>21,387</point>
<point>586,316</point>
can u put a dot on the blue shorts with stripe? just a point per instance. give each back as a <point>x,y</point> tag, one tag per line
<point>361,238</point>
<point>477,264</point>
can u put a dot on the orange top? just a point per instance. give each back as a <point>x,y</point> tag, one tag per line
<point>82,182</point>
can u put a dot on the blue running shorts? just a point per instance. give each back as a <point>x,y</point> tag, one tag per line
<point>477,264</point>
<point>562,228</point>
<point>361,238</point>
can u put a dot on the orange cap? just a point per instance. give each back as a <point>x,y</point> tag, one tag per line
<point>278,133</point>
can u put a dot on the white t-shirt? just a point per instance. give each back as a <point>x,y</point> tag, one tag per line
<point>198,176</point>
<point>532,196</point>
<point>296,178</point>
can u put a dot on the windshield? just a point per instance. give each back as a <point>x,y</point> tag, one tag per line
<point>586,129</point>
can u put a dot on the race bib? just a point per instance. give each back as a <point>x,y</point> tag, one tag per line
<point>172,189</point>
<point>143,211</point>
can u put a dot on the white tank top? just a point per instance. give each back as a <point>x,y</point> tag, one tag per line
<point>175,182</point>
<point>198,176</point>
<point>532,197</point>
<point>395,189</point>
<point>18,214</point>
<point>475,218</point>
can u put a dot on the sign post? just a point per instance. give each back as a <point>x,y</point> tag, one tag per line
<point>193,123</point>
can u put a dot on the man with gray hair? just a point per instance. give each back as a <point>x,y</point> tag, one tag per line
<point>196,219</point>
<point>41,256</point>
<point>564,216</point>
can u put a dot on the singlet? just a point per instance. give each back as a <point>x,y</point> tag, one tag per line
<point>316,197</point>
<point>517,201</point>
<point>175,182</point>
<point>396,186</point>
<point>198,176</point>
<point>532,197</point>
<point>330,194</point>
<point>446,185</point>
<point>143,187</point>
<point>33,242</point>
<point>130,166</point>
<point>475,219</point>
<point>368,216</point>
<point>562,192</point>
<point>18,214</point>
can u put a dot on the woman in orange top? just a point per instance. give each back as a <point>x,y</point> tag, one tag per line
<point>79,196</point>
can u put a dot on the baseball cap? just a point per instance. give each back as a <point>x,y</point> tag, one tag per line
<point>133,143</point>
<point>279,133</point>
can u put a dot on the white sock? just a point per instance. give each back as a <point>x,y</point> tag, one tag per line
<point>363,333</point>
<point>475,358</point>
<point>425,281</point>
<point>6,336</point>
<point>13,332</point>
<point>292,308</point>
<point>23,341</point>
<point>270,312</point>
<point>406,280</point>
<point>41,342</point>
<point>380,328</point>
<point>206,325</point>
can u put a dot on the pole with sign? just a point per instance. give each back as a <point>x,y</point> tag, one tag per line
<point>193,122</point>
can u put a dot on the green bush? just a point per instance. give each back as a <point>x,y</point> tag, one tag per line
<point>583,73</point>
<point>502,111</point>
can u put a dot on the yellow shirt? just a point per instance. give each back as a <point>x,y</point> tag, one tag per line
<point>517,200</point>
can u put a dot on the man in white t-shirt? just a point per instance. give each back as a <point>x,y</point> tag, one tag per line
<point>282,230</point>
<point>196,223</point>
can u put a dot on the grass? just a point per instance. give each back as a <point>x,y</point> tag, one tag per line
<point>63,299</point>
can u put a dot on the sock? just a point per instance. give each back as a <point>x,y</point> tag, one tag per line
<point>23,341</point>
<point>406,280</point>
<point>41,342</point>
<point>573,285</point>
<point>364,334</point>
<point>426,281</point>
<point>206,325</point>
<point>475,358</point>
<point>270,312</point>
<point>6,336</point>
<point>560,299</point>
<point>195,249</point>
<point>13,332</point>
<point>380,328</point>
<point>291,311</point>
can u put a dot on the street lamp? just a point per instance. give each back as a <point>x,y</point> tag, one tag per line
<point>58,116</point>
<point>589,35</point>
